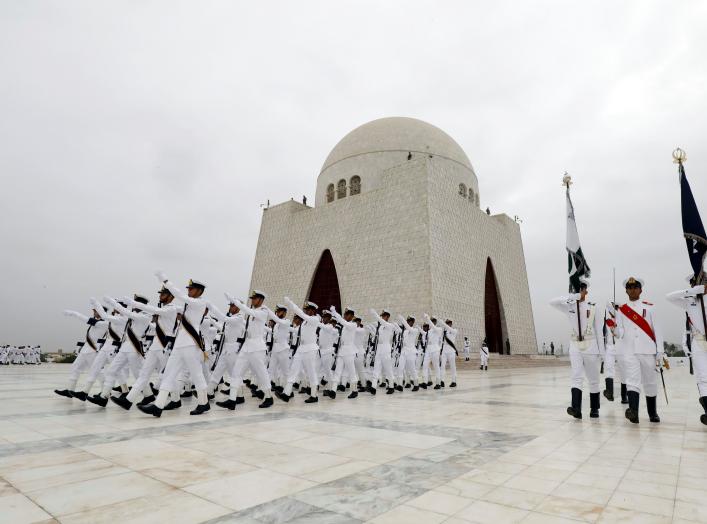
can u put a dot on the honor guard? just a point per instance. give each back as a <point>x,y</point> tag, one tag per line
<point>449,352</point>
<point>586,347</point>
<point>382,359</point>
<point>692,302</point>
<point>344,366</point>
<point>641,347</point>
<point>484,356</point>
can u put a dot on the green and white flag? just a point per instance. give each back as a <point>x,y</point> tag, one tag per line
<point>577,266</point>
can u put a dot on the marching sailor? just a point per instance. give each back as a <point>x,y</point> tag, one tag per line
<point>641,347</point>
<point>232,337</point>
<point>586,347</point>
<point>408,353</point>
<point>382,360</point>
<point>305,356</point>
<point>279,368</point>
<point>328,335</point>
<point>433,347</point>
<point>484,356</point>
<point>449,352</point>
<point>96,331</point>
<point>344,364</point>
<point>691,300</point>
<point>188,350</point>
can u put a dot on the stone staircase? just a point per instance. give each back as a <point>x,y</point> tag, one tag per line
<point>514,361</point>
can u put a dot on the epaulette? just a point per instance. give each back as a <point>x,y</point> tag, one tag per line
<point>645,302</point>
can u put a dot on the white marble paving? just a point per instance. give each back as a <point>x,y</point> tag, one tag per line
<point>497,449</point>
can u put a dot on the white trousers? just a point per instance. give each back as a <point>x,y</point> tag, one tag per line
<point>152,363</point>
<point>255,362</point>
<point>104,355</point>
<point>610,361</point>
<point>187,358</point>
<point>307,363</point>
<point>345,370</point>
<point>585,364</point>
<point>383,365</point>
<point>431,357</point>
<point>359,363</point>
<point>326,362</point>
<point>124,360</point>
<point>408,361</point>
<point>279,367</point>
<point>449,358</point>
<point>641,371</point>
<point>699,365</point>
<point>223,365</point>
<point>83,362</point>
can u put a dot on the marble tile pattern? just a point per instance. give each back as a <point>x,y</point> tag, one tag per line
<point>499,448</point>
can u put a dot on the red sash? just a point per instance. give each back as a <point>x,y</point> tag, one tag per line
<point>637,319</point>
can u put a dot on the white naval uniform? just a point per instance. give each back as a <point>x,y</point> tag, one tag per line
<point>279,366</point>
<point>449,352</point>
<point>96,330</point>
<point>305,359</point>
<point>639,351</point>
<point>328,335</point>
<point>687,299</point>
<point>467,349</point>
<point>408,353</point>
<point>585,355</point>
<point>252,353</point>
<point>360,341</point>
<point>383,363</point>
<point>114,340</point>
<point>484,355</point>
<point>432,351</point>
<point>164,321</point>
<point>345,365</point>
<point>186,354</point>
<point>231,331</point>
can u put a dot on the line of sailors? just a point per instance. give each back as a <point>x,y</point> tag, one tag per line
<point>627,337</point>
<point>20,355</point>
<point>190,345</point>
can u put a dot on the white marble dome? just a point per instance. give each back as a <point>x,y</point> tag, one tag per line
<point>361,158</point>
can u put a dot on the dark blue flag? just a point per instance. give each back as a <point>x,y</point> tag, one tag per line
<point>692,227</point>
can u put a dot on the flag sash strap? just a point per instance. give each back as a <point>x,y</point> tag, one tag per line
<point>637,319</point>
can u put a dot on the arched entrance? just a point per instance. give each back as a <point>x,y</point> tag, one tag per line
<point>324,290</point>
<point>492,312</point>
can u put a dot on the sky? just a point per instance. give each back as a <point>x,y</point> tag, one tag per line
<point>137,135</point>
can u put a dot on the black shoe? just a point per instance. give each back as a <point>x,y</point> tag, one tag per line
<point>633,402</point>
<point>252,387</point>
<point>259,394</point>
<point>481,368</point>
<point>266,403</point>
<point>398,387</point>
<point>651,404</point>
<point>81,395</point>
<point>594,405</point>
<point>453,385</point>
<point>354,394</point>
<point>624,394</point>
<point>117,389</point>
<point>150,409</point>
<point>361,389</point>
<point>369,384</point>
<point>486,368</point>
<point>98,400</point>
<point>172,404</point>
<point>186,394</point>
<point>63,392</point>
<point>227,404</point>
<point>416,388</point>
<point>371,390</point>
<point>283,397</point>
<point>295,386</point>
<point>609,391</point>
<point>240,400</point>
<point>575,410</point>
<point>340,387</point>
<point>408,385</point>
<point>146,400</point>
<point>246,381</point>
<point>423,385</point>
<point>437,387</point>
<point>311,400</point>
<point>211,397</point>
<point>348,385</point>
<point>323,382</point>
<point>441,383</point>
<point>201,408</point>
<point>332,394</point>
<point>122,402</point>
<point>390,391</point>
<point>226,392</point>
<point>155,391</point>
<point>429,383</point>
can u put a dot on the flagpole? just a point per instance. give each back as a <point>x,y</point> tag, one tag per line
<point>566,181</point>
<point>679,157</point>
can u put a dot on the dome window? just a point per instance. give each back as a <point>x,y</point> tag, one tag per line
<point>355,185</point>
<point>462,190</point>
<point>330,193</point>
<point>341,189</point>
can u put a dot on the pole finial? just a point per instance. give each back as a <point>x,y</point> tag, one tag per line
<point>566,180</point>
<point>679,156</point>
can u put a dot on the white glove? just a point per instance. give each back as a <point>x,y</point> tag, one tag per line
<point>161,276</point>
<point>287,299</point>
<point>69,313</point>
<point>373,312</point>
<point>332,309</point>
<point>110,300</point>
<point>94,302</point>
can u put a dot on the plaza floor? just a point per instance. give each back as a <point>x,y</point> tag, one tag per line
<point>500,448</point>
